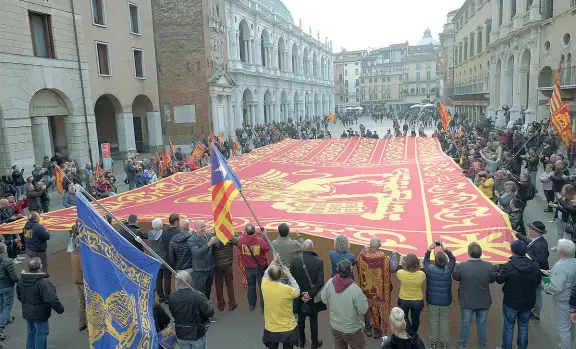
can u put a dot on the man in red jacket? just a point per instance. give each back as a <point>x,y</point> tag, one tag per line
<point>253,257</point>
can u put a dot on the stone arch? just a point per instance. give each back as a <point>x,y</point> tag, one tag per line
<point>268,106</point>
<point>107,111</point>
<point>265,48</point>
<point>306,62</point>
<point>510,85</point>
<point>248,107</point>
<point>546,77</point>
<point>295,58</point>
<point>497,77</point>
<point>524,78</point>
<point>281,54</point>
<point>141,107</point>
<point>49,110</point>
<point>244,44</point>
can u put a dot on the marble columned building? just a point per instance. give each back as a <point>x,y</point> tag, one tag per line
<point>279,71</point>
<point>514,59</point>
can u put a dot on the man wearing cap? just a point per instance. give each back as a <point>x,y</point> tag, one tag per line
<point>519,274</point>
<point>537,251</point>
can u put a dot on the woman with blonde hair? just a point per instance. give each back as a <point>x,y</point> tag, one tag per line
<point>400,339</point>
<point>411,297</point>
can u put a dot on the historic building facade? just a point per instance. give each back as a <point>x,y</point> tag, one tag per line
<point>222,64</point>
<point>471,90</point>
<point>349,63</point>
<point>446,59</point>
<point>514,64</point>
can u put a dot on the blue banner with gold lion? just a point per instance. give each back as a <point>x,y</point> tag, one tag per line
<point>118,285</point>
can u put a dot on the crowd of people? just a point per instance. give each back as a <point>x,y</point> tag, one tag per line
<point>291,289</point>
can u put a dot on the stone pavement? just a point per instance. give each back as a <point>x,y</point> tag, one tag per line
<point>242,329</point>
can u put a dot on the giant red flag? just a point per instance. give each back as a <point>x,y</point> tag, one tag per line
<point>563,124</point>
<point>556,100</point>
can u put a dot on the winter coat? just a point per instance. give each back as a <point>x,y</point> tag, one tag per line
<point>35,237</point>
<point>191,312</point>
<point>38,297</point>
<point>202,255</point>
<point>537,250</point>
<point>224,254</point>
<point>517,221</point>
<point>156,243</point>
<point>18,178</point>
<point>475,277</point>
<point>179,254</point>
<point>8,276</point>
<point>412,342</point>
<point>518,275</point>
<point>136,230</point>
<point>33,195</point>
<point>315,267</point>
<point>439,281</point>
<point>558,180</point>
<point>69,200</point>
<point>167,235</point>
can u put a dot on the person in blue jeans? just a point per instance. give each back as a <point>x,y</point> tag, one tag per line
<point>38,297</point>
<point>475,276</point>
<point>519,274</point>
<point>8,278</point>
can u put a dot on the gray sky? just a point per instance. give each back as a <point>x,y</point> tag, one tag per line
<point>359,24</point>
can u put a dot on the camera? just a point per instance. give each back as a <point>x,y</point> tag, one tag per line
<point>437,243</point>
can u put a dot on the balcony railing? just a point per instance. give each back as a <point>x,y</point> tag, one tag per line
<point>481,87</point>
<point>547,77</point>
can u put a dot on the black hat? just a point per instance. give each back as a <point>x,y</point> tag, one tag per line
<point>518,248</point>
<point>538,226</point>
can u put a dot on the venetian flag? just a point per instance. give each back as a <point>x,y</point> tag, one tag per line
<point>331,117</point>
<point>198,152</point>
<point>563,124</point>
<point>59,178</point>
<point>225,187</point>
<point>165,161</point>
<point>171,147</point>
<point>235,147</point>
<point>445,117</point>
<point>99,174</point>
<point>556,100</point>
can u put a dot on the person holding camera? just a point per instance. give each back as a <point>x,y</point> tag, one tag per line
<point>439,292</point>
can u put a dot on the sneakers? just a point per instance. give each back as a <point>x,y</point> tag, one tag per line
<point>534,317</point>
<point>554,248</point>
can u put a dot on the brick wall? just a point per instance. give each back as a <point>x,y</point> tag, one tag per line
<point>183,58</point>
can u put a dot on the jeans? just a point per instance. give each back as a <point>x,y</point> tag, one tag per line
<point>438,317</point>
<point>131,185</point>
<point>201,343</point>
<point>313,319</point>
<point>164,283</point>
<point>20,191</point>
<point>466,321</point>
<point>510,316</point>
<point>277,345</point>
<point>560,228</point>
<point>224,274</point>
<point>253,276</point>
<point>6,303</point>
<point>538,304</point>
<point>564,325</point>
<point>532,175</point>
<point>415,308</point>
<point>37,337</point>
<point>81,306</point>
<point>203,282</point>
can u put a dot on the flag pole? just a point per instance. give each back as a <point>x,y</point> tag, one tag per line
<point>262,229</point>
<point>123,226</point>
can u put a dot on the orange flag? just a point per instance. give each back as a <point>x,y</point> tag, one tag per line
<point>445,117</point>
<point>99,174</point>
<point>166,160</point>
<point>157,158</point>
<point>235,147</point>
<point>556,100</point>
<point>171,147</point>
<point>563,124</point>
<point>59,178</point>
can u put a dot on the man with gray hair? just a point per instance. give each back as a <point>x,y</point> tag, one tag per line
<point>562,279</point>
<point>38,297</point>
<point>200,245</point>
<point>164,278</point>
<point>7,282</point>
<point>191,311</point>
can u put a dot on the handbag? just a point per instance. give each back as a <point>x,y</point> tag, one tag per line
<point>315,305</point>
<point>261,267</point>
<point>71,244</point>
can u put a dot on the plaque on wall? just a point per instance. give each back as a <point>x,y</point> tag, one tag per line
<point>185,114</point>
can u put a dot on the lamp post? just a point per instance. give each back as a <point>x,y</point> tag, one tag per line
<point>506,109</point>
